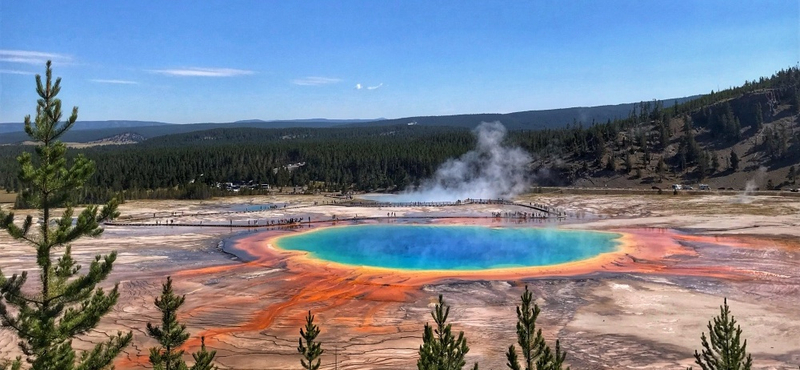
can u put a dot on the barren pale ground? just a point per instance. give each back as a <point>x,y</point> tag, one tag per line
<point>642,309</point>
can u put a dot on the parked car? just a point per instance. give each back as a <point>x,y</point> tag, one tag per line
<point>704,187</point>
<point>795,190</point>
<point>688,187</point>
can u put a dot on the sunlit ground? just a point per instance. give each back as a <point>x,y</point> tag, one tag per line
<point>642,306</point>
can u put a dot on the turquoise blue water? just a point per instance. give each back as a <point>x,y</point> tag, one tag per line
<point>416,247</point>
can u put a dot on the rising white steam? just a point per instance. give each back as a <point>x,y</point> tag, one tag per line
<point>490,171</point>
<point>752,185</point>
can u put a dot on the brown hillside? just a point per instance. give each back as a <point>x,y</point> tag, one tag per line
<point>766,152</point>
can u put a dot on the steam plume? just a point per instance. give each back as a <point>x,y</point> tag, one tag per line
<point>489,171</point>
<point>752,185</point>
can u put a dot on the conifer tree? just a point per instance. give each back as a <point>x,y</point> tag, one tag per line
<point>723,349</point>
<point>611,165</point>
<point>714,162</point>
<point>664,134</point>
<point>440,350</point>
<point>172,334</point>
<point>599,150</point>
<point>67,304</point>
<point>796,102</point>
<point>311,349</point>
<point>702,165</point>
<point>203,359</point>
<point>759,117</point>
<point>661,168</point>
<point>530,340</point>
<point>734,161</point>
<point>628,164</point>
<point>536,353</point>
<point>550,360</point>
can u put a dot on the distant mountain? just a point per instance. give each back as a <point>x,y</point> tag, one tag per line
<point>151,131</point>
<point>88,131</point>
<point>250,121</point>
<point>529,120</point>
<point>333,122</point>
<point>86,125</point>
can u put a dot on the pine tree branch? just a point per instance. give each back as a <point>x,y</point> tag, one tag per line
<point>512,359</point>
<point>81,287</point>
<point>22,297</point>
<point>77,321</point>
<point>103,354</point>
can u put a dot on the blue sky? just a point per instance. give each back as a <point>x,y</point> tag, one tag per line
<point>220,61</point>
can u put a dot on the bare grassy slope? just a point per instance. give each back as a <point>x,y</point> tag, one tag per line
<point>758,164</point>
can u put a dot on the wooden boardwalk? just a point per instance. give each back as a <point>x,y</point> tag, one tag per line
<point>167,219</point>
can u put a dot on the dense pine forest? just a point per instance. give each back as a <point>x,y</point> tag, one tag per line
<point>719,134</point>
<point>191,165</point>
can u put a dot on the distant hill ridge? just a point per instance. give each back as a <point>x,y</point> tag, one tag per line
<point>530,120</point>
<point>9,127</point>
<point>317,120</point>
<point>88,131</point>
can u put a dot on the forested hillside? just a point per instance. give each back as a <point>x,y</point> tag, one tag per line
<point>723,138</point>
<point>190,165</point>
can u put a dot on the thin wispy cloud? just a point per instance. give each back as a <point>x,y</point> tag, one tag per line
<point>16,72</point>
<point>315,81</point>
<point>31,57</point>
<point>118,82</point>
<point>361,87</point>
<point>203,72</point>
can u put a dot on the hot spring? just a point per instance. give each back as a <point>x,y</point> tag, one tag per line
<point>426,247</point>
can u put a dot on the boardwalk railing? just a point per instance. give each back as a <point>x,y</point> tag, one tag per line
<point>168,218</point>
<point>551,211</point>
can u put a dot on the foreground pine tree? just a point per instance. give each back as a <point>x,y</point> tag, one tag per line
<point>311,349</point>
<point>204,359</point>
<point>535,352</point>
<point>440,350</point>
<point>67,304</point>
<point>172,334</point>
<point>726,349</point>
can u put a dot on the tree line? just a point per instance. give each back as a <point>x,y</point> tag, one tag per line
<point>192,165</point>
<point>333,160</point>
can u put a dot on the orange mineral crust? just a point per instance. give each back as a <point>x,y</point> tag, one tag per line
<point>252,311</point>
